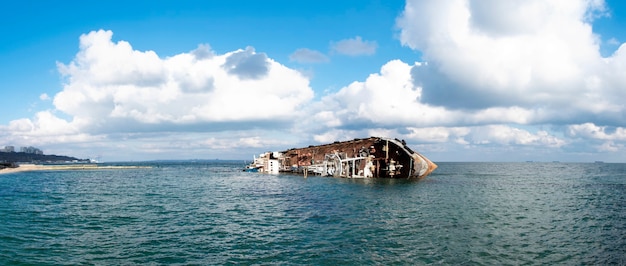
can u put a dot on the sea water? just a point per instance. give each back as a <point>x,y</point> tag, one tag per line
<point>213,213</point>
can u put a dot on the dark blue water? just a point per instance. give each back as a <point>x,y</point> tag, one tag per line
<point>211,213</point>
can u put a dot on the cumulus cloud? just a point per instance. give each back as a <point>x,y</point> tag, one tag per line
<point>113,91</point>
<point>592,131</point>
<point>486,68</point>
<point>484,54</point>
<point>304,55</point>
<point>109,83</point>
<point>387,98</point>
<point>489,77</point>
<point>506,135</point>
<point>390,99</point>
<point>354,47</point>
<point>389,104</point>
<point>610,146</point>
<point>247,64</point>
<point>45,128</point>
<point>203,52</point>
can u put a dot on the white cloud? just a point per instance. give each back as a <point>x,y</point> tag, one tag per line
<point>114,94</point>
<point>354,47</point>
<point>487,54</point>
<point>487,68</point>
<point>390,99</point>
<point>506,135</point>
<point>44,97</point>
<point>592,131</point>
<point>109,82</point>
<point>44,129</point>
<point>610,146</point>
<point>386,98</point>
<point>491,79</point>
<point>439,134</point>
<point>613,41</point>
<point>304,55</point>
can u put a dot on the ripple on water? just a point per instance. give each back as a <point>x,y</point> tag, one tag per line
<point>211,213</point>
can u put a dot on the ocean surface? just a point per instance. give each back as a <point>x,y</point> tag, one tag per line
<point>208,213</point>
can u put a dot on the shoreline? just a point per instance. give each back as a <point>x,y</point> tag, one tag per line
<point>39,167</point>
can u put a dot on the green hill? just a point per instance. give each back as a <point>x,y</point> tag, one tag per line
<point>22,157</point>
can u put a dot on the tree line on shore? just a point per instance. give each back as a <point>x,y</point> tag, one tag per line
<point>22,157</point>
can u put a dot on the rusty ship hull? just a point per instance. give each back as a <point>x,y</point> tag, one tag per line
<point>373,157</point>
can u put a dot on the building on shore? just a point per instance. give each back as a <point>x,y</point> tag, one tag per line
<point>8,149</point>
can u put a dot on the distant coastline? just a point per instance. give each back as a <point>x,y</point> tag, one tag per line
<point>64,167</point>
<point>24,157</point>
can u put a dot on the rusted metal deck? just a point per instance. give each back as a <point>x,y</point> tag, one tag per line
<point>372,157</point>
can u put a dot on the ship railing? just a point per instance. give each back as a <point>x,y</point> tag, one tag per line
<point>335,165</point>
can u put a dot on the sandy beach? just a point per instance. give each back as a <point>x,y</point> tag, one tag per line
<point>38,167</point>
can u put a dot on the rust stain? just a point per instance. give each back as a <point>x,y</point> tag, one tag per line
<point>359,158</point>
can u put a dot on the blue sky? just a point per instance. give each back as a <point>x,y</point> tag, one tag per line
<point>459,80</point>
<point>40,33</point>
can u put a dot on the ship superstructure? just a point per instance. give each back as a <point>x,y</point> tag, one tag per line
<point>372,157</point>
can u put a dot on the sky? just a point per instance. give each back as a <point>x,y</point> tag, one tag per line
<point>458,80</point>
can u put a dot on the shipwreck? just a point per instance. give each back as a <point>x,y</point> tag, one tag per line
<point>373,157</point>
